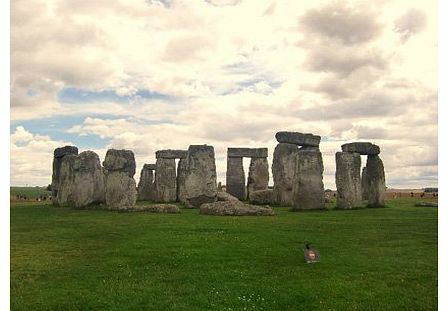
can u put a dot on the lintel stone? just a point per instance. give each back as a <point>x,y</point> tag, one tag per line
<point>363,148</point>
<point>171,154</point>
<point>247,152</point>
<point>297,138</point>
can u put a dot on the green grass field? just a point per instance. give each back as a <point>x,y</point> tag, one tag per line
<point>371,259</point>
<point>29,192</point>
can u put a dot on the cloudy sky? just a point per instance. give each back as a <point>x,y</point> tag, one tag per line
<point>149,75</point>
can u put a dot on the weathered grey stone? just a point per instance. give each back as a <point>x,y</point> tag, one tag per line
<point>120,160</point>
<point>181,175</point>
<point>235,184</point>
<point>159,208</point>
<point>171,154</point>
<point>146,186</point>
<point>198,182</point>
<point>283,168</point>
<point>364,188</point>
<point>59,153</point>
<point>165,180</point>
<point>81,180</point>
<point>308,187</point>
<point>348,180</point>
<point>298,139</point>
<point>232,208</point>
<point>219,186</point>
<point>258,177</point>
<point>261,197</point>
<point>375,181</point>
<point>247,152</point>
<point>224,196</point>
<point>151,167</point>
<point>362,148</point>
<point>121,191</point>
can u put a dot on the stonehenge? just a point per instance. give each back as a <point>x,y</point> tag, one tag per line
<point>81,180</point>
<point>258,177</point>
<point>120,187</point>
<point>354,187</point>
<point>146,186</point>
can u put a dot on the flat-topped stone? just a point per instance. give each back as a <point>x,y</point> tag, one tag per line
<point>120,160</point>
<point>233,208</point>
<point>363,148</point>
<point>297,138</point>
<point>66,150</point>
<point>171,154</point>
<point>247,152</point>
<point>149,167</point>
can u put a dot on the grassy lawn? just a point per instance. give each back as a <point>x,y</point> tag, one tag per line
<point>371,259</point>
<point>29,192</point>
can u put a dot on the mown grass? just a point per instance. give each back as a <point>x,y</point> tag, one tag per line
<point>371,259</point>
<point>29,192</point>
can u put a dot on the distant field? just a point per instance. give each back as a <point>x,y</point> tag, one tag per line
<point>29,192</point>
<point>371,259</point>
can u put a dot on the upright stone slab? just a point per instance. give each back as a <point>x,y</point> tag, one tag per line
<point>375,181</point>
<point>181,176</point>
<point>348,180</point>
<point>198,177</point>
<point>120,187</point>
<point>364,188</point>
<point>146,186</point>
<point>58,154</point>
<point>235,184</point>
<point>258,177</point>
<point>82,180</point>
<point>283,167</point>
<point>165,180</point>
<point>308,187</point>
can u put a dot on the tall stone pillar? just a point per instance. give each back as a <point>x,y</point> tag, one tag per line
<point>197,176</point>
<point>146,186</point>
<point>258,177</point>
<point>308,187</point>
<point>348,181</point>
<point>283,167</point>
<point>235,184</point>
<point>375,181</point>
<point>364,188</point>
<point>58,155</point>
<point>165,180</point>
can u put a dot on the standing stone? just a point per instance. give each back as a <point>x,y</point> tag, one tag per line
<point>375,181</point>
<point>120,187</point>
<point>283,167</point>
<point>181,176</point>
<point>348,181</point>
<point>82,180</point>
<point>308,187</point>
<point>165,180</point>
<point>219,186</point>
<point>235,184</point>
<point>364,188</point>
<point>198,179</point>
<point>58,155</point>
<point>146,187</point>
<point>258,177</point>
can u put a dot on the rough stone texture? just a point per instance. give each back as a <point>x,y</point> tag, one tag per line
<point>198,182</point>
<point>146,186</point>
<point>120,161</point>
<point>160,208</point>
<point>121,192</point>
<point>364,188</point>
<point>149,167</point>
<point>247,152</point>
<point>120,188</point>
<point>348,180</point>
<point>181,173</point>
<point>165,180</point>
<point>219,186</point>
<point>298,139</point>
<point>171,154</point>
<point>283,167</point>
<point>59,153</point>
<point>232,208</point>
<point>362,148</point>
<point>81,180</point>
<point>261,197</point>
<point>308,187</point>
<point>235,184</point>
<point>224,196</point>
<point>375,181</point>
<point>258,177</point>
